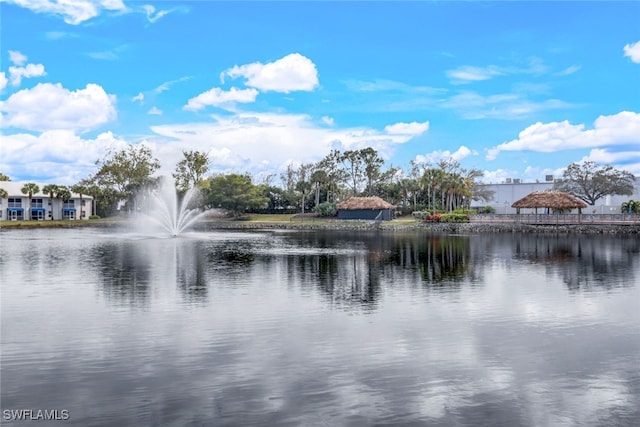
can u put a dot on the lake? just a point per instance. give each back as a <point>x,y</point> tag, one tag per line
<point>295,328</point>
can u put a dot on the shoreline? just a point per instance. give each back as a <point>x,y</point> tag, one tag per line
<point>453,228</point>
<point>347,225</point>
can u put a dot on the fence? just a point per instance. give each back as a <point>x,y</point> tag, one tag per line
<point>558,218</point>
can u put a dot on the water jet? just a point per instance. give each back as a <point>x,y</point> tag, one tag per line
<point>172,213</point>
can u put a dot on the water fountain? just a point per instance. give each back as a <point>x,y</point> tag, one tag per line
<point>170,213</point>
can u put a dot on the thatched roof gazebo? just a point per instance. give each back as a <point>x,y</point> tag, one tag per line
<point>551,199</point>
<point>365,208</point>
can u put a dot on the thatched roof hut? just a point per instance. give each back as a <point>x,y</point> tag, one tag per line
<point>365,208</point>
<point>551,199</point>
<point>354,203</point>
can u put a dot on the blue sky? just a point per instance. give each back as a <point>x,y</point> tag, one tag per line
<point>516,89</point>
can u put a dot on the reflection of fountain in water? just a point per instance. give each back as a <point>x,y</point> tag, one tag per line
<point>170,213</point>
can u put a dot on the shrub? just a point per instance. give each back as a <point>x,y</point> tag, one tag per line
<point>94,217</point>
<point>434,217</point>
<point>454,217</point>
<point>488,210</point>
<point>326,209</point>
<point>632,206</point>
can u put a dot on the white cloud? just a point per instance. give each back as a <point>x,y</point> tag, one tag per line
<point>496,176</point>
<point>600,155</point>
<point>163,87</point>
<point>167,85</point>
<point>50,106</point>
<point>618,129</point>
<point>3,80</point>
<point>293,72</point>
<point>19,70</point>
<point>152,15</point>
<point>384,85</point>
<point>569,70</point>
<point>59,155</point>
<point>220,98</point>
<point>73,12</point>
<point>438,155</point>
<point>468,74</point>
<point>105,55</point>
<point>328,120</point>
<point>413,128</point>
<point>17,58</point>
<point>632,50</point>
<point>506,106</point>
<point>60,35</point>
<point>155,111</point>
<point>267,142</point>
<point>16,74</point>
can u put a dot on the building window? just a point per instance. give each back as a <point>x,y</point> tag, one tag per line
<point>68,204</point>
<point>14,215</point>
<point>15,202</point>
<point>37,215</point>
<point>36,203</point>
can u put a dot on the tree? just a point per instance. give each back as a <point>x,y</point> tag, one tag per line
<point>631,206</point>
<point>105,199</point>
<point>126,171</point>
<point>330,164</point>
<point>30,188</point>
<point>191,169</point>
<point>62,193</point>
<point>277,198</point>
<point>4,177</point>
<point>303,183</point>
<point>590,182</point>
<point>353,167</point>
<point>235,193</point>
<point>319,178</point>
<point>3,193</point>
<point>80,189</point>
<point>51,190</point>
<point>372,165</point>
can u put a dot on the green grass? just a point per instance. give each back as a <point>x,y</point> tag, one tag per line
<point>58,223</point>
<point>405,220</point>
<point>269,217</point>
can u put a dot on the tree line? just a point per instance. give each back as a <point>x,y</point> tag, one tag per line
<point>123,177</point>
<point>126,174</point>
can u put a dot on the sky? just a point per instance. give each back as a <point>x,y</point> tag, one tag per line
<point>515,89</point>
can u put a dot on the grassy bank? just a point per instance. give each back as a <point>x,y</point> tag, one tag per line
<point>106,222</point>
<point>293,222</point>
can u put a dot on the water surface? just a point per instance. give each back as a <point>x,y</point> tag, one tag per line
<point>323,328</point>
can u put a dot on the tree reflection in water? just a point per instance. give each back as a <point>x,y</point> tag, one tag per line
<point>583,261</point>
<point>353,270</point>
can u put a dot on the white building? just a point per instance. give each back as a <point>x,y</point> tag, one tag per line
<point>17,206</point>
<point>505,194</point>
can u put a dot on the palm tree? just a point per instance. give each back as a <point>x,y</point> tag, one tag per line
<point>80,189</point>
<point>30,188</point>
<point>51,190</point>
<point>319,178</point>
<point>3,194</point>
<point>632,206</point>
<point>62,193</point>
